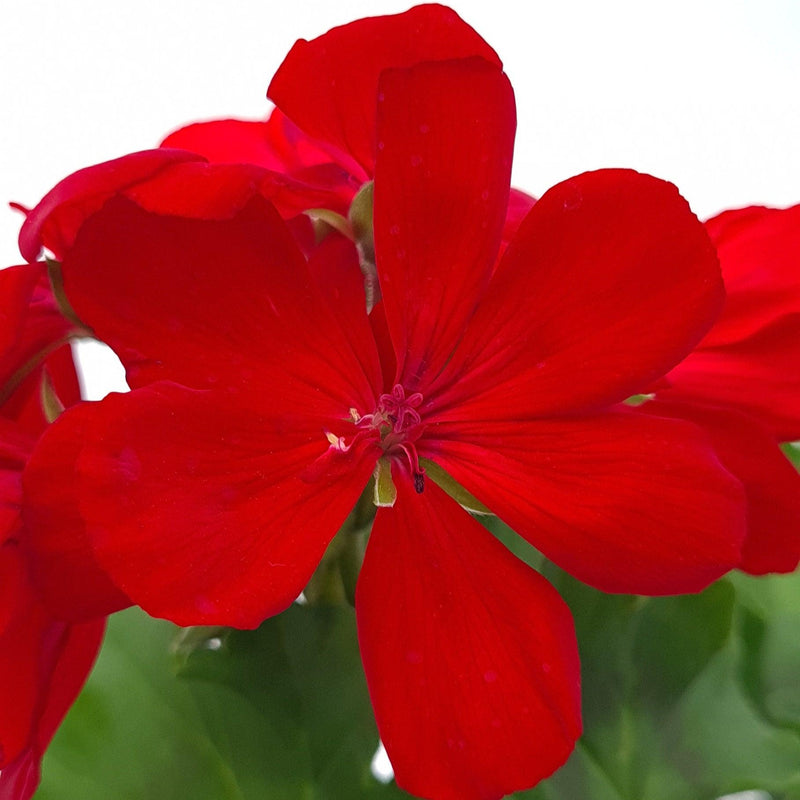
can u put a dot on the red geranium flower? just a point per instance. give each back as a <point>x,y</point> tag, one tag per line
<point>43,661</point>
<point>327,86</point>
<point>742,382</point>
<point>749,359</point>
<point>211,498</point>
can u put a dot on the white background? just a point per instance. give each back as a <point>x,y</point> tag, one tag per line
<point>705,94</point>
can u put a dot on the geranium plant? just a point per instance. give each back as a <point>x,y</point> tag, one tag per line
<point>407,455</point>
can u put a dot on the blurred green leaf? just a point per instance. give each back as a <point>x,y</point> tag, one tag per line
<point>685,697</point>
<point>135,731</point>
<point>281,712</point>
<point>290,699</point>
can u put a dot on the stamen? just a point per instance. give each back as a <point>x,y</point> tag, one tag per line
<point>416,470</point>
<point>394,425</point>
<point>399,409</point>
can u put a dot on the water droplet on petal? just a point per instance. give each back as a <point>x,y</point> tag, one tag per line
<point>490,676</point>
<point>414,657</point>
<point>424,127</point>
<point>416,160</point>
<point>572,197</point>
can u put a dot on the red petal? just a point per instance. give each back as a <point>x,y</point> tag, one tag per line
<point>15,447</point>
<point>35,326</point>
<point>56,219</point>
<point>195,506</point>
<point>43,662</point>
<point>43,665</point>
<point>758,251</point>
<point>750,357</point>
<point>23,646</point>
<point>16,289</point>
<point>334,267</point>
<point>227,302</point>
<point>218,191</point>
<point>519,204</point>
<point>625,502</point>
<point>328,86</point>
<point>25,405</point>
<point>308,173</point>
<point>772,486</point>
<point>275,143</point>
<point>63,566</point>
<point>608,283</point>
<point>228,141</point>
<point>760,376</point>
<point>445,141</point>
<point>470,655</point>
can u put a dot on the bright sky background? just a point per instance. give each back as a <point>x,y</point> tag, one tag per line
<point>703,93</point>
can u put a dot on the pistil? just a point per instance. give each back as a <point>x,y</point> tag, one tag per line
<point>396,424</point>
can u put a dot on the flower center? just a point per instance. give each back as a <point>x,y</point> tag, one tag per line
<point>396,425</point>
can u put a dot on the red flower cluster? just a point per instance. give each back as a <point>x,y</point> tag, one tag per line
<point>430,337</point>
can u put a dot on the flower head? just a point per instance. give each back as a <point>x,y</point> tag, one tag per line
<point>265,399</point>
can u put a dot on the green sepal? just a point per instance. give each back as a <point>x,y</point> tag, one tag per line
<point>444,481</point>
<point>638,399</point>
<point>52,407</point>
<point>331,219</point>
<point>360,217</point>
<point>56,278</point>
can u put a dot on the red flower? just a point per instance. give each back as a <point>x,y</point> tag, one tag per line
<point>213,501</point>
<point>43,661</point>
<point>742,382</point>
<point>277,144</point>
<point>154,179</point>
<point>749,359</point>
<point>330,94</point>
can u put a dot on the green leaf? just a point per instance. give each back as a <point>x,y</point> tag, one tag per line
<point>685,697</point>
<point>135,732</point>
<point>281,712</point>
<point>304,705</point>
